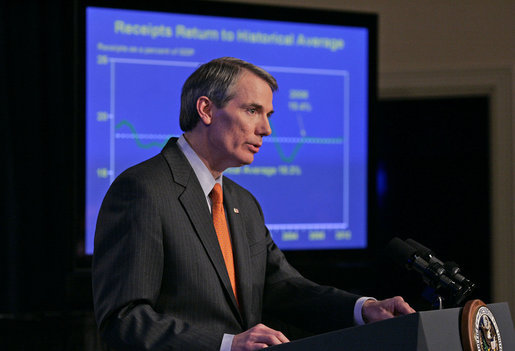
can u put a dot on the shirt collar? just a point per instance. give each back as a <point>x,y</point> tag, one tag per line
<point>204,176</point>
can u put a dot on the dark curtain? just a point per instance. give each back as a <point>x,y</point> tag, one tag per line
<point>38,153</point>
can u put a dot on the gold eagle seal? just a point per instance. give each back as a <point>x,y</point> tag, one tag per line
<point>479,330</point>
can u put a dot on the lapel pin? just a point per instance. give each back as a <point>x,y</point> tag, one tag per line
<point>236,210</point>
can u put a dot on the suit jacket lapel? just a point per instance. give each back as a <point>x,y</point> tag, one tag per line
<point>241,252</point>
<point>194,203</point>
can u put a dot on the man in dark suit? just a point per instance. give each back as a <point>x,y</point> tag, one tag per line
<point>170,271</point>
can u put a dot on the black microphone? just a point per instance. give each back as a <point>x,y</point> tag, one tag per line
<point>415,256</point>
<point>423,251</point>
<point>433,273</point>
<point>452,270</point>
<point>403,253</point>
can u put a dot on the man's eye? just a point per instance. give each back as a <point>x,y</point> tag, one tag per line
<point>252,110</point>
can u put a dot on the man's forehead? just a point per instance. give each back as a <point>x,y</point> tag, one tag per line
<point>249,85</point>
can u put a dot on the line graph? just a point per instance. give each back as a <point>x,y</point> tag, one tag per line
<point>160,140</point>
<point>302,148</point>
<point>296,136</point>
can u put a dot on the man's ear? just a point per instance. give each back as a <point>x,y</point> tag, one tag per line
<point>205,109</point>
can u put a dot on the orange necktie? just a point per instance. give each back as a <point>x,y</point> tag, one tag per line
<point>222,231</point>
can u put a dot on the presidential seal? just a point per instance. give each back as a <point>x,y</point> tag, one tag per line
<point>479,330</point>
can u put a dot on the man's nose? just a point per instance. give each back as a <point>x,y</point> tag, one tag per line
<point>264,128</point>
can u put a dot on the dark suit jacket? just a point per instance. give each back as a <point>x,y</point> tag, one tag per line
<point>159,278</point>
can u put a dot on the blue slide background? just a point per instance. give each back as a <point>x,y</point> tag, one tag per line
<point>310,176</point>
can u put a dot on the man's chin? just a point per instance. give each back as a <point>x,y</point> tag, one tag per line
<point>243,161</point>
<point>247,161</point>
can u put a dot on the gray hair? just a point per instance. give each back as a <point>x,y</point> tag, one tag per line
<point>215,80</point>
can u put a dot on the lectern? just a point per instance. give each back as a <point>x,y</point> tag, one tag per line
<point>423,331</point>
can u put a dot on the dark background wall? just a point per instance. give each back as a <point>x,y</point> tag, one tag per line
<point>435,163</point>
<point>39,134</point>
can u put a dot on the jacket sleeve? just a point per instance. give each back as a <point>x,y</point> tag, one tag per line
<point>127,275</point>
<point>293,299</point>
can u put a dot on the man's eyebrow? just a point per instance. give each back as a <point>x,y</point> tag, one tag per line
<point>259,107</point>
<point>256,105</point>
